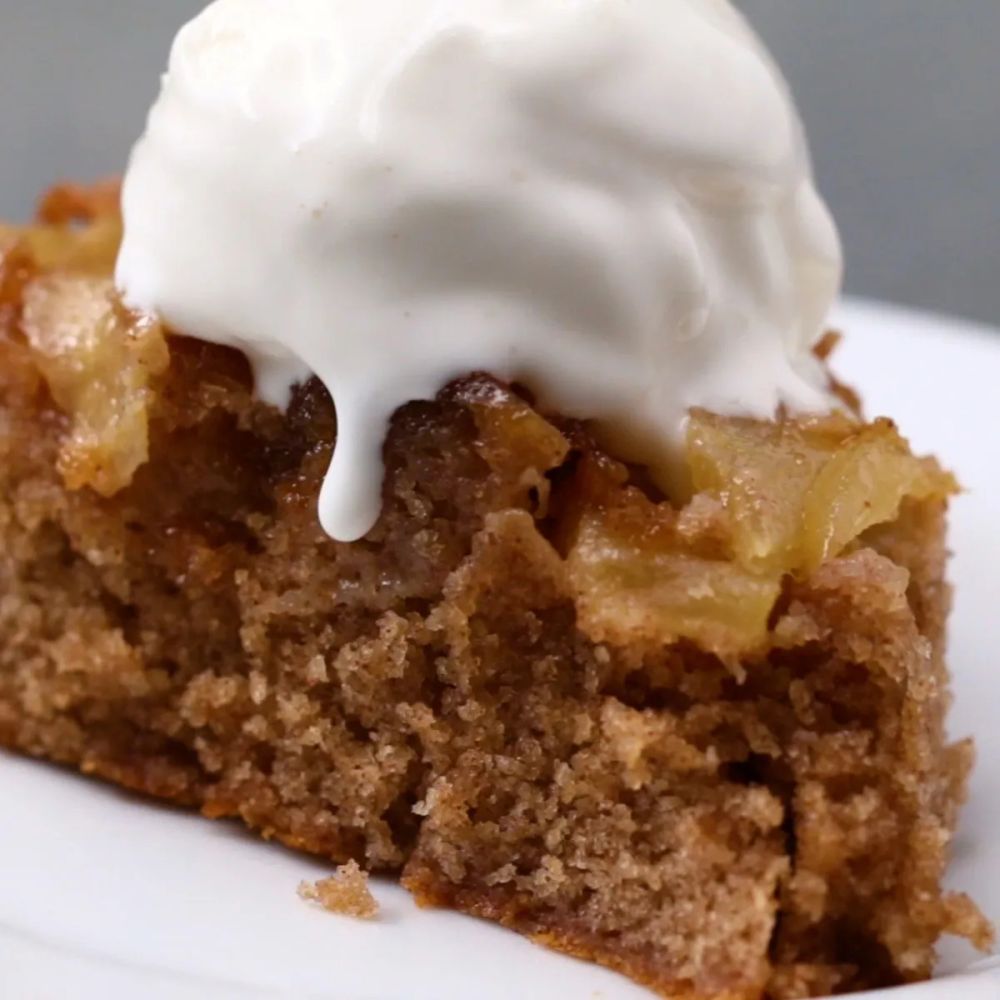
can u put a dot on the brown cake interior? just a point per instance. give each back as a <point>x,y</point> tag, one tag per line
<point>700,742</point>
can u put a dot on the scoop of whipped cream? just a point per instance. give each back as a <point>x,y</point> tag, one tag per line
<point>609,201</point>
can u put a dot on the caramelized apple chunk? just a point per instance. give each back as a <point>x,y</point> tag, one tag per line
<point>97,360</point>
<point>515,439</point>
<point>770,498</point>
<point>79,229</point>
<point>90,249</point>
<point>68,202</point>
<point>639,576</point>
<point>800,491</point>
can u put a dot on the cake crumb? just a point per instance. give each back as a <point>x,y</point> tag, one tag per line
<point>345,892</point>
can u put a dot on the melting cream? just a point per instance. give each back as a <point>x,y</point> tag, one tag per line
<point>610,201</point>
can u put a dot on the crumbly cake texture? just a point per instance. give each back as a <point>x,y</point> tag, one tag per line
<point>701,743</point>
<point>345,892</point>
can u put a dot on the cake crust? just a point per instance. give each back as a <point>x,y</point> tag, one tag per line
<point>538,692</point>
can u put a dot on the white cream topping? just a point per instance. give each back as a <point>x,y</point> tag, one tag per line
<point>609,201</point>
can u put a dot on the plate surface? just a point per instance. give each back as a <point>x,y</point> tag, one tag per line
<point>104,897</point>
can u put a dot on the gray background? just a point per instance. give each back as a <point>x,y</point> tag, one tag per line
<point>901,98</point>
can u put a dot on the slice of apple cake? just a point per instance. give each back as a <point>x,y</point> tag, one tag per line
<point>698,741</point>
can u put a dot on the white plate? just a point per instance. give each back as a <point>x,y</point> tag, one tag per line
<point>104,897</point>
